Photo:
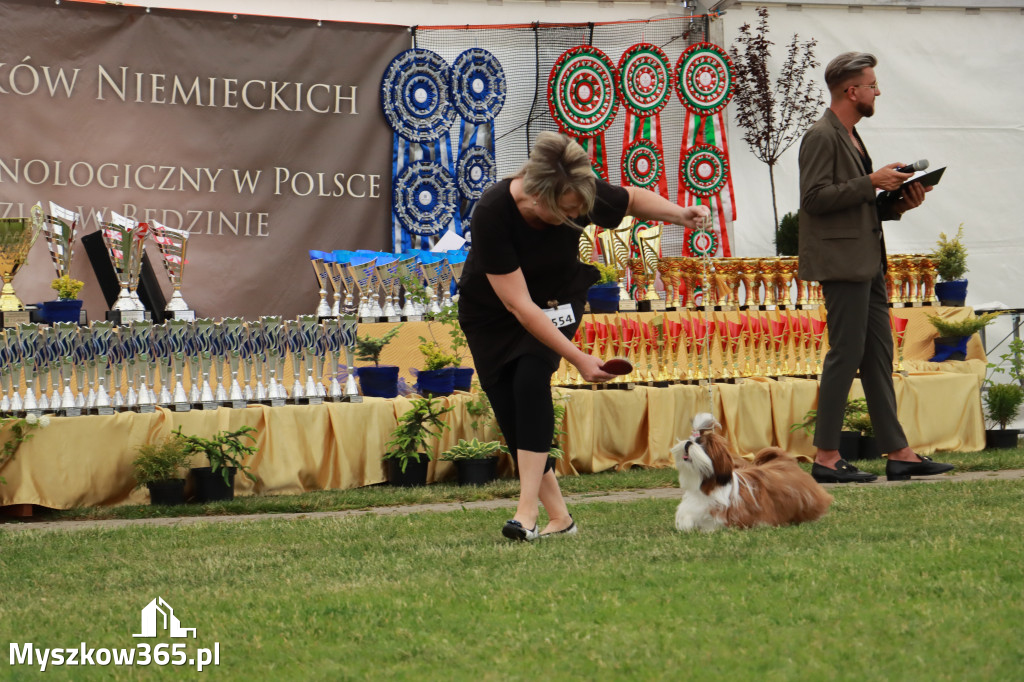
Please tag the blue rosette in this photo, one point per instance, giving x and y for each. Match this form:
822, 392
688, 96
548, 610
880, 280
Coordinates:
474, 172
416, 95
425, 198
477, 85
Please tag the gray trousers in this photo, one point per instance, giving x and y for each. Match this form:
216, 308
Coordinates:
860, 337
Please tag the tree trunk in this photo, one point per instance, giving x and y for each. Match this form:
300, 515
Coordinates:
775, 210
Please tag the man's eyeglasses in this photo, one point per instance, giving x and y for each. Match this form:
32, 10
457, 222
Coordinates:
873, 86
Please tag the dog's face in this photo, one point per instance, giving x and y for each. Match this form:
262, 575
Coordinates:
703, 463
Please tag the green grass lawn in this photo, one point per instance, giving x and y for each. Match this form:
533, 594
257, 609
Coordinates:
911, 582
384, 495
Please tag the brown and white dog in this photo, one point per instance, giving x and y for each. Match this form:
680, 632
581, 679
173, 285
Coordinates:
720, 489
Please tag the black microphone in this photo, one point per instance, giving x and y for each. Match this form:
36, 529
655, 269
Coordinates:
914, 167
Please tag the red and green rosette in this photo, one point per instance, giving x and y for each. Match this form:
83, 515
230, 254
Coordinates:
583, 99
645, 85
705, 170
703, 79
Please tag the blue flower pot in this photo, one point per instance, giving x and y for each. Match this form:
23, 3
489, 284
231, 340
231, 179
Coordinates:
604, 298
62, 310
462, 378
953, 293
378, 382
436, 382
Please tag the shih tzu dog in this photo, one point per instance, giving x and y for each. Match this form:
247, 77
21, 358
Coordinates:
720, 489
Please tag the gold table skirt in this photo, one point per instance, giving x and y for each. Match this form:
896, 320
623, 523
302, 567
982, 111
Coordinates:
86, 461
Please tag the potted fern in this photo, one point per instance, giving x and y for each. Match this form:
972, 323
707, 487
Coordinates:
856, 423
161, 468
1003, 401
409, 450
951, 265
227, 453
380, 381
951, 342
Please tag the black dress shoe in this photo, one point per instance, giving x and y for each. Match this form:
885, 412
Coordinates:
843, 473
896, 470
514, 530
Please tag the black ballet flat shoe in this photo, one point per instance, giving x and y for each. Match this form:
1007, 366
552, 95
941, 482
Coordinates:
843, 473
895, 470
570, 530
514, 530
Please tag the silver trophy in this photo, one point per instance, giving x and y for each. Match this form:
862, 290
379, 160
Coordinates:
349, 325
273, 340
340, 272
161, 363
412, 280
64, 340
323, 278
232, 329
125, 241
203, 331
139, 346
456, 263
177, 336
330, 331
387, 275
294, 340
102, 335
432, 269
364, 271
85, 362
173, 244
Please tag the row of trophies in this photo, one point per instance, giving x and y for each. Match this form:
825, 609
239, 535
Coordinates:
101, 368
695, 348
362, 280
124, 239
634, 250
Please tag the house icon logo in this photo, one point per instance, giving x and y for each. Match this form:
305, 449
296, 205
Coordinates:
158, 614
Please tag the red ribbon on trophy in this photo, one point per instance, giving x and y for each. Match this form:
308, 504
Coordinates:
583, 99
703, 80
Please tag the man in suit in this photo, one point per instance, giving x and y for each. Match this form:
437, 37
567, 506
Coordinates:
842, 246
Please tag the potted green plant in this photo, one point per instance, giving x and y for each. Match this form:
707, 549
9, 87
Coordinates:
226, 453
951, 342
160, 467
855, 423
603, 297
476, 462
436, 378
787, 239
67, 307
462, 377
951, 265
409, 450
1003, 401
377, 381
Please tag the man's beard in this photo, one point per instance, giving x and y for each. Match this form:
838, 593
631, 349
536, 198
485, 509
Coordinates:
865, 110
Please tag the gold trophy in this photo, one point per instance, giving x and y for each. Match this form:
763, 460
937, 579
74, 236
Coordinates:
363, 269
927, 268
318, 260
731, 274
387, 275
60, 227
769, 269
750, 274
173, 244
588, 240
784, 278
648, 242
17, 235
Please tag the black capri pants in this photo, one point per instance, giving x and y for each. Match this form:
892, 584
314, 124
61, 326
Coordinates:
521, 400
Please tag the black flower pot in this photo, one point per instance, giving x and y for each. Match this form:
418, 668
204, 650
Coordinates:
415, 473
462, 378
869, 448
849, 445
378, 382
167, 492
210, 487
476, 471
1001, 438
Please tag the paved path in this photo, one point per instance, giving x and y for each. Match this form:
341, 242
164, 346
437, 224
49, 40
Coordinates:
504, 503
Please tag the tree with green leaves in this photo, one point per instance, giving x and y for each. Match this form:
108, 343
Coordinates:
773, 117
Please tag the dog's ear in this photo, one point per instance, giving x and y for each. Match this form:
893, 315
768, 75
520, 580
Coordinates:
718, 450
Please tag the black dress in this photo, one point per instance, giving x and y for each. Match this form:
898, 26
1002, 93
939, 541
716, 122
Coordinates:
549, 257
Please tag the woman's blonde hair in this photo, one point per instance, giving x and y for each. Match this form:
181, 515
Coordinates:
558, 165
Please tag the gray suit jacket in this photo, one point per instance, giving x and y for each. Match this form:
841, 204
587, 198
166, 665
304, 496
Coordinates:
840, 228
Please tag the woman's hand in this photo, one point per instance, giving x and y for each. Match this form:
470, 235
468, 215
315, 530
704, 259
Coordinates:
646, 205
590, 369
693, 215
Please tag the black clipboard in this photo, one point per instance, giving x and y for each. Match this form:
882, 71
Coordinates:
927, 180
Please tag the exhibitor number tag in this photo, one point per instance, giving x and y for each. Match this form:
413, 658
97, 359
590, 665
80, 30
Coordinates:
562, 316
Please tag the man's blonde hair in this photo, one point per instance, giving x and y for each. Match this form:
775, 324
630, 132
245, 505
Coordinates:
846, 66
558, 165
